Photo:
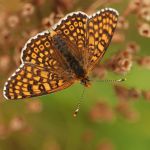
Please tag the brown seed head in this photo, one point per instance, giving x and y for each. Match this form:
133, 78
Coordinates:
144, 13
13, 21
105, 145
144, 62
144, 30
17, 123
34, 106
146, 95
28, 10
101, 111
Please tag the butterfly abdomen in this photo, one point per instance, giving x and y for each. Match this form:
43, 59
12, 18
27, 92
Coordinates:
73, 63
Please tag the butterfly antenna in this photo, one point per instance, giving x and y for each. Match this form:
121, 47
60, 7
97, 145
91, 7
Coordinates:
79, 104
118, 80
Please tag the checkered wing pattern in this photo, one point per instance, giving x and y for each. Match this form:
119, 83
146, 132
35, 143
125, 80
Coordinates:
72, 29
100, 29
31, 80
43, 70
40, 50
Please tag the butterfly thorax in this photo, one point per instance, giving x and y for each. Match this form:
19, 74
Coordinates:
72, 62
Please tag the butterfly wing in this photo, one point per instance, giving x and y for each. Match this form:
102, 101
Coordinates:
43, 70
100, 29
40, 50
72, 29
31, 80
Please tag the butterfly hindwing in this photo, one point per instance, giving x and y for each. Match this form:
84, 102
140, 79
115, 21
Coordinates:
30, 80
100, 29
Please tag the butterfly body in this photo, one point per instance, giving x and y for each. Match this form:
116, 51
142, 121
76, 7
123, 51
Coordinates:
55, 59
71, 60
73, 63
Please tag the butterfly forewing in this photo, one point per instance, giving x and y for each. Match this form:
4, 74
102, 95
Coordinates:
73, 29
31, 80
100, 29
40, 50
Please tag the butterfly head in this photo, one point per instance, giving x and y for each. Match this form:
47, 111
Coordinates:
86, 82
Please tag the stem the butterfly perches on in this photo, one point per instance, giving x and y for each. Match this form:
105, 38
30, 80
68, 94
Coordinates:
78, 106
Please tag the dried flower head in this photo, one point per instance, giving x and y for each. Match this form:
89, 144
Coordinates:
124, 109
105, 144
4, 63
134, 5
144, 62
123, 66
17, 123
100, 72
101, 111
13, 21
122, 23
135, 93
51, 144
120, 63
118, 37
146, 2
144, 30
132, 47
144, 13
146, 95
27, 10
46, 23
122, 92
34, 106
5, 36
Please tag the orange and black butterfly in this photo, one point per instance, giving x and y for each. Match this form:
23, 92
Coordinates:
55, 59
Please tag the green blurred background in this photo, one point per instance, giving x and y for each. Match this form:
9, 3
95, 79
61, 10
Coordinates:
105, 122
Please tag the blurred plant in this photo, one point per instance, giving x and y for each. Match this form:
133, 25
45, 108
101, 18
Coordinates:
17, 123
87, 136
34, 106
146, 95
34, 16
128, 112
4, 132
124, 93
101, 111
105, 144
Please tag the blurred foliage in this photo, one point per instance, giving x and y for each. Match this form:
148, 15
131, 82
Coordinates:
113, 116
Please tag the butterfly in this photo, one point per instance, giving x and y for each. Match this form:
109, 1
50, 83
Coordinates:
56, 58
